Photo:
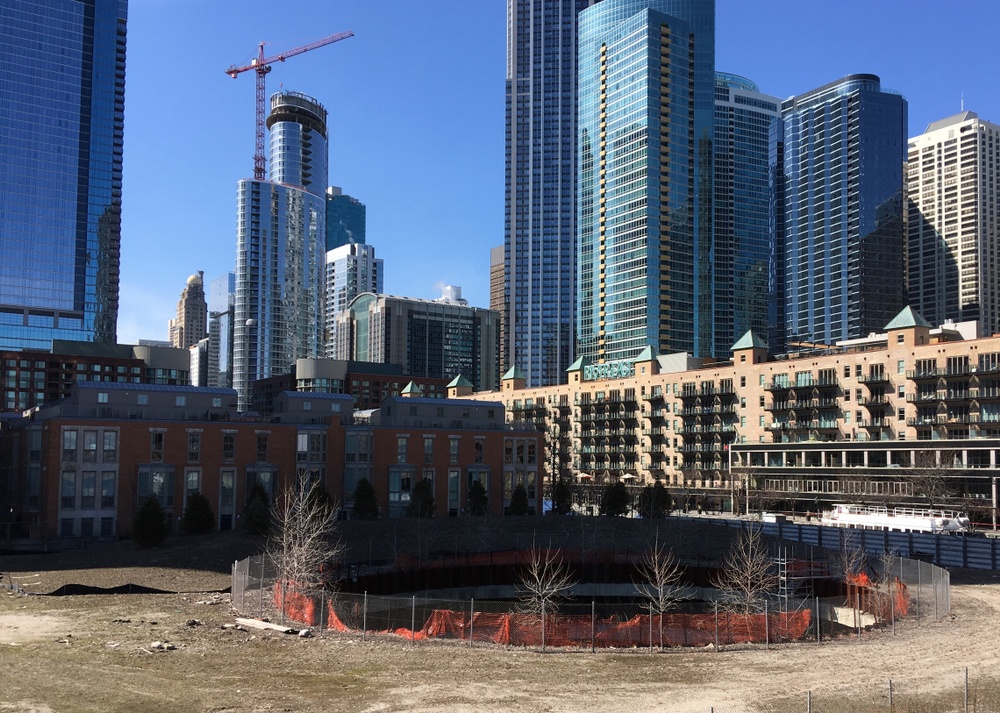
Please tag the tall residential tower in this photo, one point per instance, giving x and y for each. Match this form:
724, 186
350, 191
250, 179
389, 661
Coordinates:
540, 220
646, 95
62, 104
281, 236
844, 153
954, 272
747, 127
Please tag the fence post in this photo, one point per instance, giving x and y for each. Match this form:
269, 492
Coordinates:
593, 624
966, 689
651, 627
809, 701
918, 591
717, 626
322, 608
260, 589
891, 708
472, 616
413, 618
892, 603
543, 625
767, 628
819, 627
364, 618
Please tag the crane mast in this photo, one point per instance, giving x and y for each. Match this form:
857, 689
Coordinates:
261, 65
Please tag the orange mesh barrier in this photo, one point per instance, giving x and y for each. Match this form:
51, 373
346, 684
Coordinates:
295, 605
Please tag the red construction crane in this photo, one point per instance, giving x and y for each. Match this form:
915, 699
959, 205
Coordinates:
262, 65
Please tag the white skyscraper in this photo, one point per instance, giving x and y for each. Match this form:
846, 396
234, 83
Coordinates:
281, 241
350, 270
953, 174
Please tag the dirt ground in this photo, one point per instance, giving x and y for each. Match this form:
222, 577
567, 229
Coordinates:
95, 653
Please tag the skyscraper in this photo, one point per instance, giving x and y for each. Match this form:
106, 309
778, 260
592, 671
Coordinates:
954, 273
646, 81
844, 152
62, 103
221, 313
350, 270
747, 125
345, 219
540, 217
281, 234
191, 324
438, 339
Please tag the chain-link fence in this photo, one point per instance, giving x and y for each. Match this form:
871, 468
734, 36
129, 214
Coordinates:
889, 593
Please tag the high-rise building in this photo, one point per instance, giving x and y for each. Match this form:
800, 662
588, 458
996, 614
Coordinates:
497, 265
952, 242
281, 234
350, 270
646, 96
221, 313
62, 104
844, 153
345, 219
191, 324
540, 218
438, 339
747, 125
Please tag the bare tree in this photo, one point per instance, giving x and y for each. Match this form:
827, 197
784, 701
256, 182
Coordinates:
304, 543
747, 575
929, 476
661, 575
849, 559
545, 582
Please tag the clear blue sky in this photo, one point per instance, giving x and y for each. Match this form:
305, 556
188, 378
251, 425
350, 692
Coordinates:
416, 104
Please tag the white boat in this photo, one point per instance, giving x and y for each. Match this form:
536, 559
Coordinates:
870, 517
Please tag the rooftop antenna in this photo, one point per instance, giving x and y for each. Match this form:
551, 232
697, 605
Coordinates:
963, 100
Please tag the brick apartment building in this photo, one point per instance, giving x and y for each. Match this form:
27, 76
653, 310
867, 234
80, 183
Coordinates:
78, 467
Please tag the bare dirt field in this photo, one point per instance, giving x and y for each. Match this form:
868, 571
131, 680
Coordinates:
95, 653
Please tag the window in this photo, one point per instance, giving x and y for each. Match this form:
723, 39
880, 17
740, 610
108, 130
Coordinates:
307, 405
901, 414
228, 447
102, 397
762, 421
743, 401
857, 370
158, 481
88, 490
110, 446
216, 402
901, 366
743, 381
453, 450
108, 489
847, 371
90, 446
69, 445
156, 447
192, 482
428, 449
743, 421
479, 452
67, 493
454, 479
762, 380
900, 338
180, 401
400, 478
261, 447
401, 445
761, 400
194, 447
142, 399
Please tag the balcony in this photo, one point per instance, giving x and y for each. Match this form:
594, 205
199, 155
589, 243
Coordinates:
655, 395
881, 378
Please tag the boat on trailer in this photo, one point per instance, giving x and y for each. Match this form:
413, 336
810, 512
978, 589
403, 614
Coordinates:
872, 517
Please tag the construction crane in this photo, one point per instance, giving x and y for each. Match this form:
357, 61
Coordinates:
262, 65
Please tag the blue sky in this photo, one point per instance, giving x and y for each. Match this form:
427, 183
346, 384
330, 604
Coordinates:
416, 116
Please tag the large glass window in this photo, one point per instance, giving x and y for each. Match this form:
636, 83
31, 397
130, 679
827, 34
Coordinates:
69, 445
108, 489
67, 495
157, 481
156, 447
110, 446
88, 490
90, 446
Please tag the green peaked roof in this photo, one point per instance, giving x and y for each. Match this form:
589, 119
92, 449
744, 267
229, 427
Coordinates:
459, 381
412, 388
908, 317
579, 364
513, 373
750, 340
647, 354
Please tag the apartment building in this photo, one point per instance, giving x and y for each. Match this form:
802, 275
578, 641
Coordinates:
864, 419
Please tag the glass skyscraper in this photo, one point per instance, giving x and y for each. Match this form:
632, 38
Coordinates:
62, 103
350, 270
646, 81
747, 124
540, 218
221, 311
345, 219
281, 235
844, 155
